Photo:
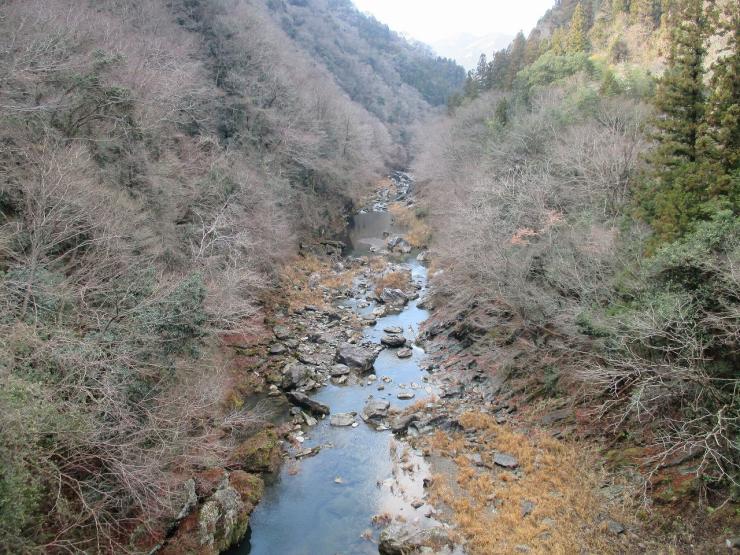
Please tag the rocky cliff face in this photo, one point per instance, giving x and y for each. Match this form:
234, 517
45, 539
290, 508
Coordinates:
217, 514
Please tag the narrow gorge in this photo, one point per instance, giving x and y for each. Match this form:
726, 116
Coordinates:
278, 278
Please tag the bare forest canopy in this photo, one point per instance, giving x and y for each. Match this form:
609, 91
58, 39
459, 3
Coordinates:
162, 160
388, 75
585, 191
159, 163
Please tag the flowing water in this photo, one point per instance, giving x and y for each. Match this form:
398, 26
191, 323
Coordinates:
327, 506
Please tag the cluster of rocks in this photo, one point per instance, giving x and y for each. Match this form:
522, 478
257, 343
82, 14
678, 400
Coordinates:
320, 345
402, 183
215, 512
398, 244
402, 539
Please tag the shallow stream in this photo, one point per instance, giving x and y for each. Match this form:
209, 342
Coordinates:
324, 505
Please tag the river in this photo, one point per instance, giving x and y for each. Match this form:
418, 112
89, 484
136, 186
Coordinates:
327, 505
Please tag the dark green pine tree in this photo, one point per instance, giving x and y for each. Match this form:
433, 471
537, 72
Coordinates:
516, 58
720, 135
674, 196
481, 72
681, 94
471, 87
497, 69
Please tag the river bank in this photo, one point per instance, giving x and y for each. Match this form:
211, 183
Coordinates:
323, 381
379, 424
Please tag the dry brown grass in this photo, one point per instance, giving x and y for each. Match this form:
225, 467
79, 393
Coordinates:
486, 504
341, 280
392, 280
386, 183
418, 231
294, 290
378, 263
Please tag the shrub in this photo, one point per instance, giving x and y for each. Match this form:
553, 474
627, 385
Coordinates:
551, 68
670, 356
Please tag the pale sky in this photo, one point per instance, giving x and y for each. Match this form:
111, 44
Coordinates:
432, 20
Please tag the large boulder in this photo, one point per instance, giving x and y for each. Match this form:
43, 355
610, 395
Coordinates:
393, 297
305, 402
260, 453
342, 419
221, 521
398, 244
375, 408
401, 422
356, 357
425, 303
505, 461
296, 374
392, 340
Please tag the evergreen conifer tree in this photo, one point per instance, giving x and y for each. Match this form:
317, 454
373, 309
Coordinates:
720, 135
559, 41
681, 93
516, 58
576, 40
643, 11
497, 69
481, 72
532, 48
674, 197
471, 88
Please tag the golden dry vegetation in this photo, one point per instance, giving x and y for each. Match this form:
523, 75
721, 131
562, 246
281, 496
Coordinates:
392, 280
557, 477
418, 231
295, 290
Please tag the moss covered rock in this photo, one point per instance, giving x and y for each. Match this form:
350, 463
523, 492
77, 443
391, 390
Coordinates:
222, 519
260, 453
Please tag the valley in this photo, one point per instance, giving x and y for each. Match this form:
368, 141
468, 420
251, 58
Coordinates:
276, 279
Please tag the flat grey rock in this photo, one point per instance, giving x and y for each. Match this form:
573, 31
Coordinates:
505, 461
527, 508
614, 527
356, 357
342, 419
405, 353
339, 370
281, 332
278, 349
375, 408
304, 401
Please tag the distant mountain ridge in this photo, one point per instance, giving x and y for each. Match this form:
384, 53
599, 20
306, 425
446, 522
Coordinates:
466, 48
394, 78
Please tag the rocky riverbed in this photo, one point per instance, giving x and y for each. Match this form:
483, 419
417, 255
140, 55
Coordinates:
376, 428
345, 356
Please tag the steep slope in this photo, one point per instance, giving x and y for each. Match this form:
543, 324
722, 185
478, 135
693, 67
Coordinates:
159, 162
585, 213
392, 78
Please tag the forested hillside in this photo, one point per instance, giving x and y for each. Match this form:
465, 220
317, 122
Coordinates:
584, 192
174, 175
391, 77
159, 162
